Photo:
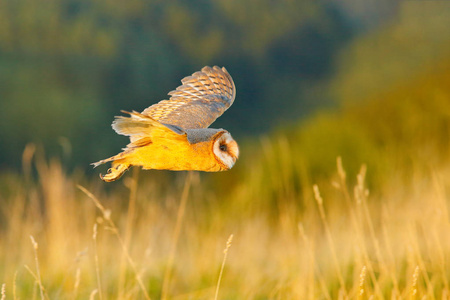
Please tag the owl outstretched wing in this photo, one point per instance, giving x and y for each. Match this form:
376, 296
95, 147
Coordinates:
198, 102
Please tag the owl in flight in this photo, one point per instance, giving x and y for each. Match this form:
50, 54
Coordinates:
174, 135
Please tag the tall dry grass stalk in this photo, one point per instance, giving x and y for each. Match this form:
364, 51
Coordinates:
92, 295
362, 277
330, 240
3, 291
133, 186
339, 242
76, 285
175, 236
38, 269
107, 216
225, 254
414, 283
97, 264
15, 286
314, 272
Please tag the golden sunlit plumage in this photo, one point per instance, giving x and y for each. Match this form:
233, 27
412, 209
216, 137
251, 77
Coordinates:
173, 134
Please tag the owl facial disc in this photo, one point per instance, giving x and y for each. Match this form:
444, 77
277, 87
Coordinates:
226, 150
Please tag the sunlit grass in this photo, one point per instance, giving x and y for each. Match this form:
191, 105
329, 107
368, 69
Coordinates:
166, 239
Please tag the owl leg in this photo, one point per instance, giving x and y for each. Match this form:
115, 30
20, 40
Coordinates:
115, 172
118, 166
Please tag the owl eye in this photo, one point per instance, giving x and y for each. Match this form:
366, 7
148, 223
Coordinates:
223, 147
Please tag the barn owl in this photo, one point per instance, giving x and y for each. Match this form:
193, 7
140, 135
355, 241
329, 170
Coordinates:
174, 135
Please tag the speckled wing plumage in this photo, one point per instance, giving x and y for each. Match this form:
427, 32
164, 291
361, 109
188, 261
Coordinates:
198, 102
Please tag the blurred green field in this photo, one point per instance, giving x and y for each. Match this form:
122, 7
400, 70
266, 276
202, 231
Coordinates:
348, 205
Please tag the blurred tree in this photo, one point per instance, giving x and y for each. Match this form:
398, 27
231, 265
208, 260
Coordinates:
68, 66
418, 38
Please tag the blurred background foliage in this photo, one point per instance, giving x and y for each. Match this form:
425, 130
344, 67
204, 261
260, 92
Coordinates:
362, 76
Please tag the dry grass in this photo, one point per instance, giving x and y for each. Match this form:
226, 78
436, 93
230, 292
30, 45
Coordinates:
160, 240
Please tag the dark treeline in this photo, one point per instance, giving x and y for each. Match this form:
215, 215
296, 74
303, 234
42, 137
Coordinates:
68, 66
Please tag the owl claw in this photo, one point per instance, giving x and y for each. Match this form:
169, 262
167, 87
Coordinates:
114, 173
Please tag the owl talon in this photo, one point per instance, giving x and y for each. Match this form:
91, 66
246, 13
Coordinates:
114, 173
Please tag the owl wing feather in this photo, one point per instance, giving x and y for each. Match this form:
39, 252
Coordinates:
198, 102
142, 128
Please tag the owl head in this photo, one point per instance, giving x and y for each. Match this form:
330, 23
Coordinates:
225, 149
